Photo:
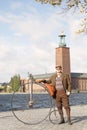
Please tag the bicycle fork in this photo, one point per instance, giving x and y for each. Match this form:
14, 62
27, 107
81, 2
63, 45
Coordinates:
31, 91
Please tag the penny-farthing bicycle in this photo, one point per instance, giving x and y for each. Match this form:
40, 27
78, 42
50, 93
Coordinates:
28, 107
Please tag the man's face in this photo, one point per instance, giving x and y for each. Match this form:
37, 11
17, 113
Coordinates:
58, 69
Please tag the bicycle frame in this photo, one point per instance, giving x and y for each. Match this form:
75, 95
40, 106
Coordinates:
32, 102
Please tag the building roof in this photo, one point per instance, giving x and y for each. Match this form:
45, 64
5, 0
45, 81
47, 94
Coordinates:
79, 75
47, 75
42, 76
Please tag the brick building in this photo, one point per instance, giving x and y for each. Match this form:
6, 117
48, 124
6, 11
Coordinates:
78, 80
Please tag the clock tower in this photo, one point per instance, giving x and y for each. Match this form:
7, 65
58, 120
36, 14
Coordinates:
63, 54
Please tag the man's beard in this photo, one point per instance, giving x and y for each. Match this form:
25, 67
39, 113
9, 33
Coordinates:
58, 71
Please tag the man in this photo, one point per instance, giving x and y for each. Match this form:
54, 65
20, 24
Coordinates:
62, 84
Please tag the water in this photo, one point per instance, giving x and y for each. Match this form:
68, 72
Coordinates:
75, 99
78, 99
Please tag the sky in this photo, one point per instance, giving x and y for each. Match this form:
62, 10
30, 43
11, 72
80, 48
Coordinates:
29, 34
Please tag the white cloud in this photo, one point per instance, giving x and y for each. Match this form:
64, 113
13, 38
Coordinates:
30, 41
15, 5
4, 19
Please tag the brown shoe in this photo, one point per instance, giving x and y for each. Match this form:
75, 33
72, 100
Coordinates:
62, 121
69, 122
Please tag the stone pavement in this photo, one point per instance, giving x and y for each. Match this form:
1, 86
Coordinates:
78, 115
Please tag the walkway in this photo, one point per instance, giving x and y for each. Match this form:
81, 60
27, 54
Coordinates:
79, 120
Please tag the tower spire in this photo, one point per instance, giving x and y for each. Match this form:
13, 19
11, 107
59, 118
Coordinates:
62, 39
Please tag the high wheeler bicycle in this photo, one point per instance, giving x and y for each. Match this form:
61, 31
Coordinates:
34, 106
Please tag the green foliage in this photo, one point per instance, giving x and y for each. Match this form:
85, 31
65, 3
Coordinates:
15, 83
73, 5
53, 2
68, 3
81, 5
78, 91
1, 88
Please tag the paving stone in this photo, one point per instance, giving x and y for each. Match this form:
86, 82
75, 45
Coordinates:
78, 116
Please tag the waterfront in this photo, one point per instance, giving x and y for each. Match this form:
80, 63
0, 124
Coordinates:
78, 102
75, 99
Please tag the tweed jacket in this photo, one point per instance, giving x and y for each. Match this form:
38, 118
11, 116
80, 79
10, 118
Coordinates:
65, 81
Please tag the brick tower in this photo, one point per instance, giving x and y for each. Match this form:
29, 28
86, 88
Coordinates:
63, 55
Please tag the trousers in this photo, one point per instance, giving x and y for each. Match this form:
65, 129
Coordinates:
62, 100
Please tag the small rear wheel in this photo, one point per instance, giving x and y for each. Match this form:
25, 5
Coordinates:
54, 116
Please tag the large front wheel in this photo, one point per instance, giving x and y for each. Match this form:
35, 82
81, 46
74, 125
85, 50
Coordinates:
35, 113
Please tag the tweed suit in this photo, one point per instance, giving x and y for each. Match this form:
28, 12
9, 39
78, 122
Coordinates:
61, 98
65, 80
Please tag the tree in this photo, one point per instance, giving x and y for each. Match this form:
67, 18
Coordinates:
66, 5
15, 82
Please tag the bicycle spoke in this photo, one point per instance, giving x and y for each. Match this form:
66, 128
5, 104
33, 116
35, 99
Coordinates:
27, 114
54, 116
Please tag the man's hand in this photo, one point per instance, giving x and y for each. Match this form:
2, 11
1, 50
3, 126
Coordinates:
67, 93
40, 80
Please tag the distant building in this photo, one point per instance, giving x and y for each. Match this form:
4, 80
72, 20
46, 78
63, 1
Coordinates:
78, 80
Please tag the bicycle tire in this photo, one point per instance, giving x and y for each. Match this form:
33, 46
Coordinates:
41, 100
54, 116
